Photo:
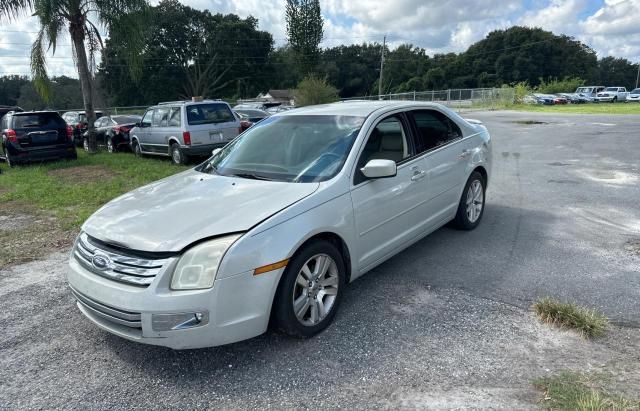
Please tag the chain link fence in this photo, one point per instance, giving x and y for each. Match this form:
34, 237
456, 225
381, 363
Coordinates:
460, 99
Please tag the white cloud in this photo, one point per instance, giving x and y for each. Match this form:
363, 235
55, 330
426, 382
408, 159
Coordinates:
611, 27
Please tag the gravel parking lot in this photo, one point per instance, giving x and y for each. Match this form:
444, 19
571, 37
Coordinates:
445, 324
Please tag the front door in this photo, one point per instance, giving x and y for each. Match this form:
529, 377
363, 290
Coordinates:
385, 209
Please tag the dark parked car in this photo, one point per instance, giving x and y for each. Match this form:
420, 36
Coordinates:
5, 109
78, 120
112, 132
35, 135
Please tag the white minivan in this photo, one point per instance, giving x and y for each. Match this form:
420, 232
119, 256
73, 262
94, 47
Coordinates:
183, 129
275, 225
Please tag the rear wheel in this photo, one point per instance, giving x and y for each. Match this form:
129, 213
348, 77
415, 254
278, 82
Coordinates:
177, 156
471, 206
310, 290
85, 144
615, 99
8, 159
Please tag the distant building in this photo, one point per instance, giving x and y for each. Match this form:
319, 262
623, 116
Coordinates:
284, 97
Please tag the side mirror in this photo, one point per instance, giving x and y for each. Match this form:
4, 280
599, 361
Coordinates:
379, 169
215, 151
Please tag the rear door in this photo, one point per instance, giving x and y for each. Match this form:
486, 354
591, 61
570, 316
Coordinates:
446, 154
40, 130
211, 123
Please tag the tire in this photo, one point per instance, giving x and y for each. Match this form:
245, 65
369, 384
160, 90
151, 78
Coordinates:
615, 100
177, 156
85, 144
7, 158
135, 147
110, 147
468, 218
306, 324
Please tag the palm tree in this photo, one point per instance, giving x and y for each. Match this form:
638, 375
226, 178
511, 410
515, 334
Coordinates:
80, 18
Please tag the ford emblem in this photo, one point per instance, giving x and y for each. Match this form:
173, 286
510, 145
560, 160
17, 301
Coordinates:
100, 262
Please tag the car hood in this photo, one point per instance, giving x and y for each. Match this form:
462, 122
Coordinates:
172, 213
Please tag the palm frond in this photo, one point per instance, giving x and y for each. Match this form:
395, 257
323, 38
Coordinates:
12, 9
39, 66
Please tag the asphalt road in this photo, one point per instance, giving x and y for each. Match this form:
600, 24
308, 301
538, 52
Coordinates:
445, 324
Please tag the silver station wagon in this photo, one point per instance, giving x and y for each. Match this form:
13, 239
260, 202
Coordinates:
183, 129
275, 225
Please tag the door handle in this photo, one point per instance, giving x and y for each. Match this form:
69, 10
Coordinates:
464, 154
418, 175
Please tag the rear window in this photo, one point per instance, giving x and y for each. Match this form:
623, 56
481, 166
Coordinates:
38, 120
209, 114
126, 119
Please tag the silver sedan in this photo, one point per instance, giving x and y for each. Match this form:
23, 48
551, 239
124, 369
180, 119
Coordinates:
273, 227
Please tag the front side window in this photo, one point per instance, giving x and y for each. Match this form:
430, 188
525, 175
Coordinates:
434, 130
294, 148
146, 120
209, 113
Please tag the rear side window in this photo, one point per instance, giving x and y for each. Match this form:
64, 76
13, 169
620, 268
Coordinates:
38, 120
209, 114
175, 118
434, 129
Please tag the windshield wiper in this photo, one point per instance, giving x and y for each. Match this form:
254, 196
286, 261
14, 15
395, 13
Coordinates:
251, 176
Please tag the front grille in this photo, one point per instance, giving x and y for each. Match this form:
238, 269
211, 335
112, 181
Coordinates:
116, 265
126, 318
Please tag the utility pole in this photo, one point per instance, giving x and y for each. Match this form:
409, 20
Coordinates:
638, 76
384, 46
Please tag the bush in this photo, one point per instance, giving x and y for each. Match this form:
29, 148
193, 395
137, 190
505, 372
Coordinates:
520, 90
315, 90
552, 86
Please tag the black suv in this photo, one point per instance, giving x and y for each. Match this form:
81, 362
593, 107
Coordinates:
35, 135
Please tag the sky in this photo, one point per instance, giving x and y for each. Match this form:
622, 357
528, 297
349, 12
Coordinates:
611, 27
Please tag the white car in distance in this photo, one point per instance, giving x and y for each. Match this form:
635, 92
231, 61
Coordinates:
276, 224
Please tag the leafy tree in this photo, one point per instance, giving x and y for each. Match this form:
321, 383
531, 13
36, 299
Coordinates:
305, 31
55, 17
65, 95
10, 89
190, 52
617, 72
315, 90
353, 69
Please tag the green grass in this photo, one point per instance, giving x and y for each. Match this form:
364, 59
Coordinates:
581, 392
589, 323
589, 108
71, 192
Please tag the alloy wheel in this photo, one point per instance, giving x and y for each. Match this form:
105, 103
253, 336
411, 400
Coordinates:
110, 145
475, 201
315, 289
176, 156
85, 144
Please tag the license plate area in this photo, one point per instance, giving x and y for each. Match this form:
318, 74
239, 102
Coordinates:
216, 136
43, 137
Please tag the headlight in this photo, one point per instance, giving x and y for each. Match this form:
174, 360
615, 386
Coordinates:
198, 266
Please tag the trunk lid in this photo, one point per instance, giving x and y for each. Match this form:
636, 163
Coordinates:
37, 130
211, 123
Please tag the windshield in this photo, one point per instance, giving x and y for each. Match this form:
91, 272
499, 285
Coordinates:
584, 90
126, 119
209, 114
635, 91
298, 149
611, 89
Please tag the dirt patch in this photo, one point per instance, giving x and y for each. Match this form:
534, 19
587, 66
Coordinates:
27, 235
633, 246
83, 173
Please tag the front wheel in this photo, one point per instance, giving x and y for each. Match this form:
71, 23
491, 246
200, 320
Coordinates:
471, 206
135, 146
310, 290
85, 144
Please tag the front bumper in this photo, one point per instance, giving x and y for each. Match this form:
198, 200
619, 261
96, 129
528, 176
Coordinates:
235, 309
604, 99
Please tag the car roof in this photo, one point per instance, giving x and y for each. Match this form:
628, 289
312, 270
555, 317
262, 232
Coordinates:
26, 113
187, 103
359, 108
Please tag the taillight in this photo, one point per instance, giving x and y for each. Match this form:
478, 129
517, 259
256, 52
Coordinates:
186, 136
70, 132
79, 126
117, 129
12, 136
